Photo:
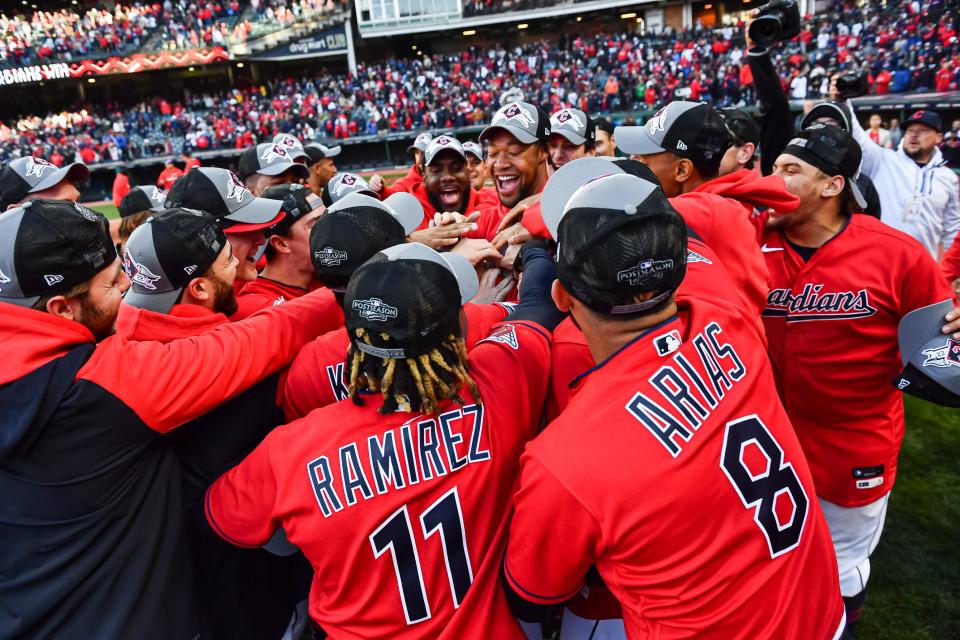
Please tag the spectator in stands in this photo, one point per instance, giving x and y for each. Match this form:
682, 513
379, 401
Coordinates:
919, 193
268, 164
951, 146
877, 133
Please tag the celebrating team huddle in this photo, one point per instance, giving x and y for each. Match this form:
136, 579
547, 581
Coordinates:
648, 395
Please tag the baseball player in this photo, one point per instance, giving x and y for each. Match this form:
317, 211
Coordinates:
269, 164
414, 175
351, 232
342, 185
243, 216
399, 497
292, 145
288, 272
678, 420
476, 163
30, 178
91, 520
572, 135
606, 142
321, 163
136, 206
517, 152
182, 272
839, 285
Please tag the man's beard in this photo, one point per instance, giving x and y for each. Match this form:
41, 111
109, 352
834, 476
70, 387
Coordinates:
224, 299
100, 323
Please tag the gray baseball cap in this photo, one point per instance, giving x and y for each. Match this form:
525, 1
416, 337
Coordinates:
566, 181
343, 184
421, 142
475, 149
574, 125
931, 359
270, 159
166, 252
524, 121
292, 145
31, 174
403, 206
220, 193
442, 143
316, 152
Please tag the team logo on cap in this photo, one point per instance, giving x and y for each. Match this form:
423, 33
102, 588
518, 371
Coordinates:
3, 279
568, 118
330, 257
36, 167
946, 356
443, 141
657, 122
274, 153
158, 196
644, 272
289, 141
517, 112
667, 343
346, 182
374, 309
235, 189
138, 273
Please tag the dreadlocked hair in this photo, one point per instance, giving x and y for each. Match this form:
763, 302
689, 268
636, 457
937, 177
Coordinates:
418, 383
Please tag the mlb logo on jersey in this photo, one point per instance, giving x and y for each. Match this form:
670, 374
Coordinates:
667, 343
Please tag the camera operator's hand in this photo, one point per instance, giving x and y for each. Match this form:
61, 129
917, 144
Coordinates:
746, 29
834, 91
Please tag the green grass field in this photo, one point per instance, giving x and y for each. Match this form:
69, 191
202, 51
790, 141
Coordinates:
915, 577
915, 573
106, 208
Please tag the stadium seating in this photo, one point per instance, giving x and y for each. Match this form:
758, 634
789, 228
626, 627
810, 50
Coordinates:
603, 73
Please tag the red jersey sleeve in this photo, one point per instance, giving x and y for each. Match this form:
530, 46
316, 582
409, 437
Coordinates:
317, 377
950, 265
167, 384
248, 304
239, 505
923, 284
532, 221
480, 319
553, 539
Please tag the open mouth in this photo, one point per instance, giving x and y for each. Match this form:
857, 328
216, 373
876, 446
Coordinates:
508, 185
450, 197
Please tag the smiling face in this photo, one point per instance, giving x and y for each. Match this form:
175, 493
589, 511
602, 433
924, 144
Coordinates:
518, 170
245, 246
478, 171
447, 181
563, 151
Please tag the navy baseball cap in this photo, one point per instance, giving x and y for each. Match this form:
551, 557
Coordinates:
220, 193
833, 110
140, 199
833, 151
296, 202
931, 359
924, 117
31, 174
166, 252
412, 294
47, 247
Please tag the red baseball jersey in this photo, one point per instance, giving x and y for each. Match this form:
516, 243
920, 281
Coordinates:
832, 331
706, 279
403, 516
262, 293
318, 375
675, 472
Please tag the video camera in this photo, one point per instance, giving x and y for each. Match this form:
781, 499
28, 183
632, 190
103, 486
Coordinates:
777, 21
853, 84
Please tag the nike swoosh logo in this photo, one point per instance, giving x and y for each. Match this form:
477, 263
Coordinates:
767, 249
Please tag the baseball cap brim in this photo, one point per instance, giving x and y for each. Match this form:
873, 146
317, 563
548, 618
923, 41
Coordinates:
519, 133
565, 182
475, 152
402, 205
158, 302
74, 173
857, 194
428, 159
256, 215
280, 168
572, 136
917, 327
824, 110
332, 152
459, 266
635, 140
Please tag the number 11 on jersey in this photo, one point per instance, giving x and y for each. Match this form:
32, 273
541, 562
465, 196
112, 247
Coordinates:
395, 535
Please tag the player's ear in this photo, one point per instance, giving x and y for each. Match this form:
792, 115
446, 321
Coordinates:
683, 170
561, 298
199, 289
278, 242
832, 187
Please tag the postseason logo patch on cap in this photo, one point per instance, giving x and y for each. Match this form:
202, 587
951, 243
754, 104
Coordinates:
374, 309
330, 257
646, 271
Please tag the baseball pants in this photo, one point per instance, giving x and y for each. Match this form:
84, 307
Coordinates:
855, 532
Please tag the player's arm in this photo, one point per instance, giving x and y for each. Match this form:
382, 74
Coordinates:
873, 154
553, 542
307, 384
481, 318
169, 384
239, 505
923, 284
950, 265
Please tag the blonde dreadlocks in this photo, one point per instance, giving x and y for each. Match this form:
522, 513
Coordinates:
420, 383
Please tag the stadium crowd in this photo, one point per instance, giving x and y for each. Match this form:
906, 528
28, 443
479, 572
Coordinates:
600, 73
